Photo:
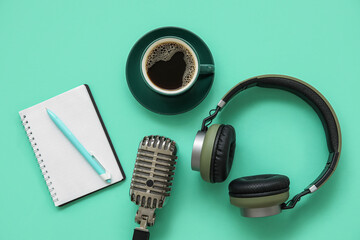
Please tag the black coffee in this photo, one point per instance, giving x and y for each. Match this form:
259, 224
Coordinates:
170, 66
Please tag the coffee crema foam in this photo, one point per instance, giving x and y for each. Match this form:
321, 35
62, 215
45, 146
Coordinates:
165, 51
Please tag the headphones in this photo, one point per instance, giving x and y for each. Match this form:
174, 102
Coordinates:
261, 195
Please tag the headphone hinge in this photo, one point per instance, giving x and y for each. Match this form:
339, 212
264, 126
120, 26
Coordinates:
291, 204
207, 121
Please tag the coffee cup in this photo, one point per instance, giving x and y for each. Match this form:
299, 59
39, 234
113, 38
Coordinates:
170, 66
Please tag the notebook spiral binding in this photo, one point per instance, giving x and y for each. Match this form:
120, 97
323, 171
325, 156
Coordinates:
39, 158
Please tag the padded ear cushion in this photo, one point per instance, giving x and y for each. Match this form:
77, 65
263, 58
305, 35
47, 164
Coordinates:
223, 153
259, 186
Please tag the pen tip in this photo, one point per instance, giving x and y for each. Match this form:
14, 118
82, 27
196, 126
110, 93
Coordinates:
108, 180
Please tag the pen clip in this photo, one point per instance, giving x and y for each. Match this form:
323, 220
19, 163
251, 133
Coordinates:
105, 176
95, 158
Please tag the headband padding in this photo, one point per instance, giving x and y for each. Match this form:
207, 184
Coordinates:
259, 185
223, 153
304, 91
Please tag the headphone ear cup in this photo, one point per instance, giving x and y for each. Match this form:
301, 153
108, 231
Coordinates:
223, 153
260, 195
206, 152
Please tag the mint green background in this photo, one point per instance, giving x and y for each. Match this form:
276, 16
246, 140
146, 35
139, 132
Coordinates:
48, 47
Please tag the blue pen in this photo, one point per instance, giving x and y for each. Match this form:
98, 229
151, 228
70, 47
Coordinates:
89, 158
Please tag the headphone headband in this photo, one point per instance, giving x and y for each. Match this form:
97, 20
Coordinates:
316, 100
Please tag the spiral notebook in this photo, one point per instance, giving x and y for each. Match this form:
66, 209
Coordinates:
67, 174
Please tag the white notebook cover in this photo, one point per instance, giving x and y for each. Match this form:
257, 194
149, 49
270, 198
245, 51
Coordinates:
68, 175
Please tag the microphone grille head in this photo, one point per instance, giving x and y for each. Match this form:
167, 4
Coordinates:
153, 172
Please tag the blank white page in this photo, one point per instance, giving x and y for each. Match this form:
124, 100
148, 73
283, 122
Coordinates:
67, 173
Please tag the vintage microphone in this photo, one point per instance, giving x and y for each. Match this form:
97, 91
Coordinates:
151, 180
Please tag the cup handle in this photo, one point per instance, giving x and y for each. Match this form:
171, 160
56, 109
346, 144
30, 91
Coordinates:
206, 69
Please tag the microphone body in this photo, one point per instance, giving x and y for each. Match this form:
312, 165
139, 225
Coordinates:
151, 180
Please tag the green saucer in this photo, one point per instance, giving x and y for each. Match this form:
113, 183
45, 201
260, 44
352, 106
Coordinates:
168, 104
